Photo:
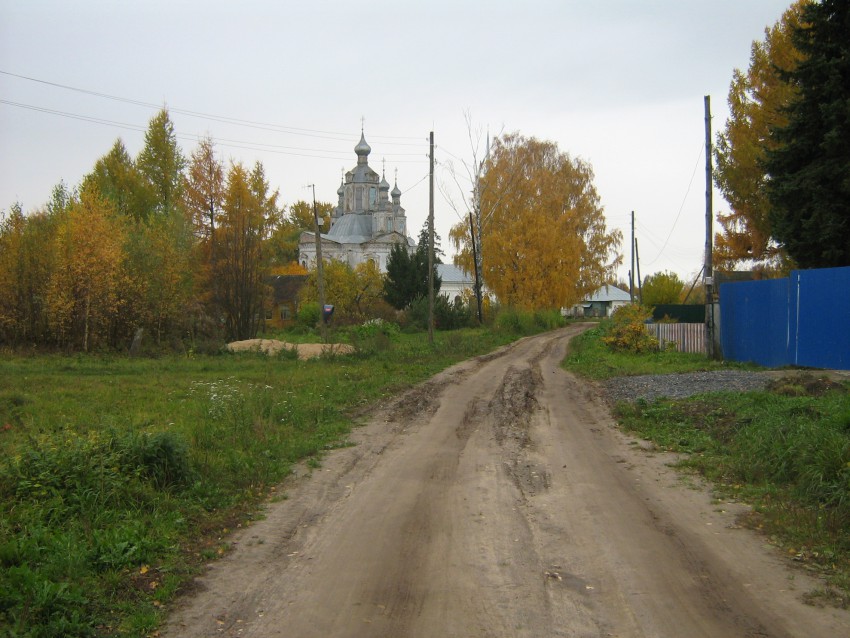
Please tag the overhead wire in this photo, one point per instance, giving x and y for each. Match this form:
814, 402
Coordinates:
681, 207
219, 118
230, 143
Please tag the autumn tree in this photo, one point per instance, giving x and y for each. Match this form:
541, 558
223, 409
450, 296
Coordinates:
12, 313
285, 238
117, 178
808, 161
27, 256
204, 190
544, 241
161, 164
356, 293
368, 299
241, 261
83, 294
757, 102
661, 288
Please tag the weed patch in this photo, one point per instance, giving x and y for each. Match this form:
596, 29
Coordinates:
120, 477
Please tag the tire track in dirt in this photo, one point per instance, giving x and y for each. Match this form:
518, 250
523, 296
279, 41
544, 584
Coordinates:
498, 500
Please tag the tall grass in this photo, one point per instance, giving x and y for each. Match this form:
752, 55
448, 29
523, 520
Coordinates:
117, 476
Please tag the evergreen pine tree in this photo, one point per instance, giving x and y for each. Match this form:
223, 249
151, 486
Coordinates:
809, 169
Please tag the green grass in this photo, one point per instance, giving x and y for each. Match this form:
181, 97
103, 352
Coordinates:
119, 477
786, 451
591, 358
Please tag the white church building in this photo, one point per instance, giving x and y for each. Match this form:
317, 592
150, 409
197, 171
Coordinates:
367, 221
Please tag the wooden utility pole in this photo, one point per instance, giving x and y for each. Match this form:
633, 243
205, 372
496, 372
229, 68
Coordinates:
707, 268
632, 271
431, 242
320, 275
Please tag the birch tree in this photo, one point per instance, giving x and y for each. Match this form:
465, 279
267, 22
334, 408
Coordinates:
544, 243
84, 293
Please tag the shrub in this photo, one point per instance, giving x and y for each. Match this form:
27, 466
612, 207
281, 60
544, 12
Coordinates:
514, 322
451, 315
309, 314
375, 335
626, 330
416, 314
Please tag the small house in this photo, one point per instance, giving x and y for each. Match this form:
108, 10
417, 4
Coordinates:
601, 303
284, 306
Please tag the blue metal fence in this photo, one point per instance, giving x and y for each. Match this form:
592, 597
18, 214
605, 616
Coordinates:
803, 320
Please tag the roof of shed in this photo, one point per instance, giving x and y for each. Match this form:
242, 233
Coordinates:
608, 293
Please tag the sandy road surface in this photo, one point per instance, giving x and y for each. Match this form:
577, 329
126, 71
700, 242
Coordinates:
498, 499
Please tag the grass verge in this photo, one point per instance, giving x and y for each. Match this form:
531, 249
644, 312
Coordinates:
591, 358
785, 450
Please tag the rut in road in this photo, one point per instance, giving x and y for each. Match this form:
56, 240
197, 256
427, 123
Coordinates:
498, 499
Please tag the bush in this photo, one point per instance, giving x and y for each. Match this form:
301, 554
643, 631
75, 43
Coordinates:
514, 322
451, 315
626, 330
375, 335
549, 319
416, 314
309, 314
162, 457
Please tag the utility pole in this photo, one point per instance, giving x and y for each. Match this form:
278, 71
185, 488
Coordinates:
431, 242
632, 271
707, 269
320, 275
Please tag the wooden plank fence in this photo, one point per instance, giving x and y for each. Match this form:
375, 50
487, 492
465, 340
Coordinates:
688, 337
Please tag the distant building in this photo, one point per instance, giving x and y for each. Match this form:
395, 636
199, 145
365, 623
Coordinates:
284, 307
456, 283
601, 303
367, 222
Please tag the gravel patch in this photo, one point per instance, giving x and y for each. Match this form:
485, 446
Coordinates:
678, 386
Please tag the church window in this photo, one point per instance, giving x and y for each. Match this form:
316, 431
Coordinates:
358, 202
373, 197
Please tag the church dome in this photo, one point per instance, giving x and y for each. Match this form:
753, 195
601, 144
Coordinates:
384, 185
396, 192
341, 190
362, 149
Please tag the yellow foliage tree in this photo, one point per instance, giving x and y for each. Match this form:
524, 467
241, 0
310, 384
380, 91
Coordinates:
84, 293
544, 241
756, 102
286, 235
241, 263
356, 293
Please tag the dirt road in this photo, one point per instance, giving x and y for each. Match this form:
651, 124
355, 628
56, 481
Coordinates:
499, 500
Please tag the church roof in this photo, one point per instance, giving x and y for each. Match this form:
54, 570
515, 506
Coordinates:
352, 228
449, 273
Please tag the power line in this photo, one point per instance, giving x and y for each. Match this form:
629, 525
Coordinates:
681, 207
230, 143
292, 130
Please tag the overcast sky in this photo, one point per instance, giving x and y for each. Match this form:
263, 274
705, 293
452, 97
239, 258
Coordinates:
619, 83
